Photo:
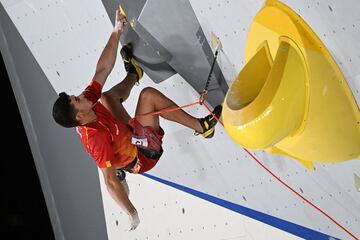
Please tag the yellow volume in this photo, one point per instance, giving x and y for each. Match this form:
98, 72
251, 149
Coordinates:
291, 97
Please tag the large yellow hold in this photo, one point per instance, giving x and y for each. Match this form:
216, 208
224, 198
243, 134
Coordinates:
291, 97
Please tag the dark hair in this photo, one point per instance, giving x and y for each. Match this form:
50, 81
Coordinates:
63, 112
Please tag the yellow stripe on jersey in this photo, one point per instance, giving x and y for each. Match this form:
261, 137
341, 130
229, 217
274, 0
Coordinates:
108, 164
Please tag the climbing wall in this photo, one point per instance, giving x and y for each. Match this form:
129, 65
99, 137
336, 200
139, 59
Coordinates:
240, 179
202, 189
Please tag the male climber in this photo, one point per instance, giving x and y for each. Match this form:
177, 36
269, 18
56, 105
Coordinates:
115, 141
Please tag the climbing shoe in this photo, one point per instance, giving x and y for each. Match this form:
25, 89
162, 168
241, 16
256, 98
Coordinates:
208, 123
129, 61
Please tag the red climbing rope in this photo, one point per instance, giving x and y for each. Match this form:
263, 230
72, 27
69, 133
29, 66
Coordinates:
167, 110
299, 195
286, 185
201, 102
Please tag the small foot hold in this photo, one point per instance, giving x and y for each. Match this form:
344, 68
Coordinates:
357, 182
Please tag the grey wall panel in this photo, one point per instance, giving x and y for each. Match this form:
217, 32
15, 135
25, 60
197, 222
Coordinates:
153, 64
184, 39
68, 177
179, 43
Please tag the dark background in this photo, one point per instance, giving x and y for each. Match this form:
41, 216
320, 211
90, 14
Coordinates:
23, 210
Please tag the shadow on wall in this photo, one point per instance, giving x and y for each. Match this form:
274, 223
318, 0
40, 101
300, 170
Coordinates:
22, 199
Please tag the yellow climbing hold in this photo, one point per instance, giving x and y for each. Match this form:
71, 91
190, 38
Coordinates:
291, 97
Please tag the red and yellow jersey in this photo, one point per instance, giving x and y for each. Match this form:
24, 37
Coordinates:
107, 140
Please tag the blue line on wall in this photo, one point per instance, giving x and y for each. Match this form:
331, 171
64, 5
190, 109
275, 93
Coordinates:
284, 225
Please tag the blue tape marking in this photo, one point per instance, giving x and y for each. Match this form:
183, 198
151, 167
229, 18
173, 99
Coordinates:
284, 225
